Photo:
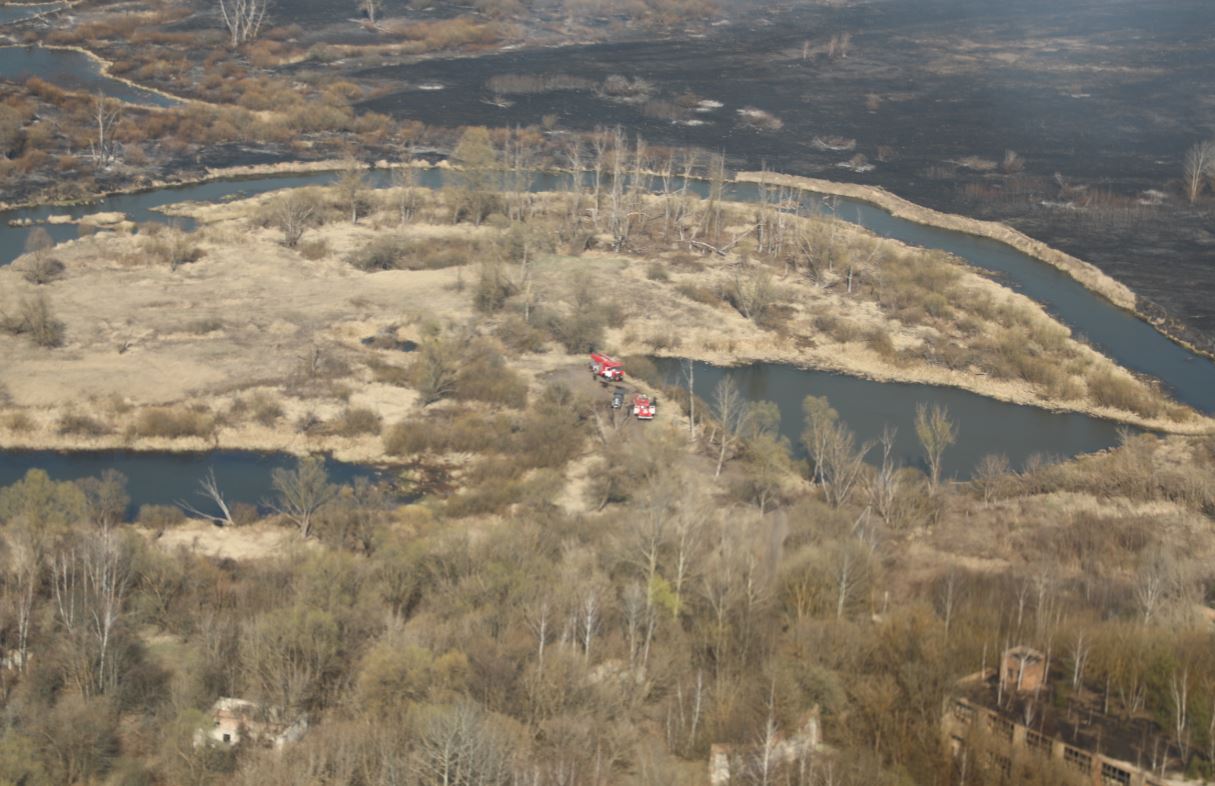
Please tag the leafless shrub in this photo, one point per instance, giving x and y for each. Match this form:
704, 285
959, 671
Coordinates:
759, 119
356, 422
18, 423
1199, 164
171, 246
160, 517
1111, 389
293, 213
42, 269
530, 84
314, 249
35, 319
1012, 163
204, 326
81, 425
976, 163
836, 144
622, 88
398, 252
174, 423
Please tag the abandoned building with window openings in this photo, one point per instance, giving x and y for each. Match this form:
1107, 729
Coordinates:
1025, 715
237, 721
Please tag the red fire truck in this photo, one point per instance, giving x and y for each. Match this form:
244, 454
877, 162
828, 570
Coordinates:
606, 368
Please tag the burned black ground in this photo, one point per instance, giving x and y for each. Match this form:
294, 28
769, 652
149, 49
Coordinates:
1099, 99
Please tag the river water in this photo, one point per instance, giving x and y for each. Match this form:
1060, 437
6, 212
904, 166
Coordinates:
70, 70
987, 425
16, 13
168, 478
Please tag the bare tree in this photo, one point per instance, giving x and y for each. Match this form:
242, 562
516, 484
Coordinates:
689, 377
1179, 693
732, 411
839, 462
851, 574
352, 188
105, 113
947, 598
1080, 652
990, 473
243, 18
457, 747
90, 581
884, 483
303, 492
766, 754
40, 266
208, 488
371, 8
293, 212
1199, 164
820, 416
936, 432
405, 183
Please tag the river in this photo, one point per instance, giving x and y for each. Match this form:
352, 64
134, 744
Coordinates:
155, 478
73, 71
18, 13
987, 425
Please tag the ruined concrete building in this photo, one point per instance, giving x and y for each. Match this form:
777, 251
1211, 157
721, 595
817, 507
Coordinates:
237, 721
1009, 719
732, 764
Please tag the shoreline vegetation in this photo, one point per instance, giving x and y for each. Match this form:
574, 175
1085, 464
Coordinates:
1085, 273
352, 280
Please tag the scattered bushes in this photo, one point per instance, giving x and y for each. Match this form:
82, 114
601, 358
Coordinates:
520, 336
35, 319
1111, 389
174, 423
493, 288
580, 332
262, 407
170, 245
397, 252
80, 425
314, 249
356, 422
42, 269
160, 517
18, 423
880, 342
547, 437
657, 271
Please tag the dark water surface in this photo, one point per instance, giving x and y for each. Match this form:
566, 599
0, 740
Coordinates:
16, 13
71, 71
167, 478
984, 425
